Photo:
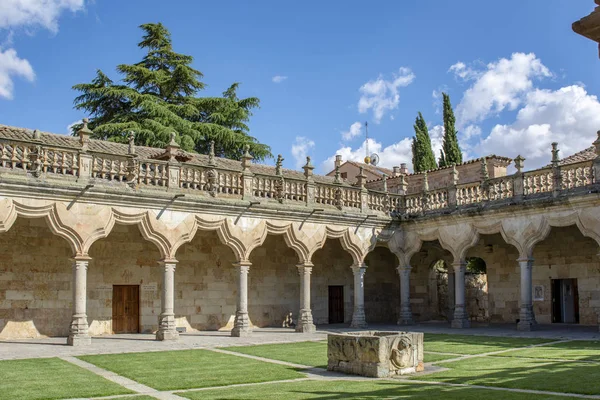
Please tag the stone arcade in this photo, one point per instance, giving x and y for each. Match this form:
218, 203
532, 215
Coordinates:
100, 238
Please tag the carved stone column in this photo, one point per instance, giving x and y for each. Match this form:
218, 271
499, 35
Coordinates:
405, 317
526, 315
78, 334
166, 321
305, 320
461, 318
358, 316
241, 325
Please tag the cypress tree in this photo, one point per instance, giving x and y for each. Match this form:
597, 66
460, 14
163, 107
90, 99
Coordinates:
450, 153
423, 158
157, 96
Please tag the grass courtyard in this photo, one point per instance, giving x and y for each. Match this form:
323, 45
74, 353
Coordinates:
473, 367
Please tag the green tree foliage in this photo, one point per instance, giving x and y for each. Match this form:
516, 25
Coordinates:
476, 265
157, 96
450, 153
422, 155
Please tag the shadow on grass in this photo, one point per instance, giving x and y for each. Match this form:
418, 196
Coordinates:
522, 373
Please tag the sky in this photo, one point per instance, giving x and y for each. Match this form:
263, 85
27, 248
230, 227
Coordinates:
519, 78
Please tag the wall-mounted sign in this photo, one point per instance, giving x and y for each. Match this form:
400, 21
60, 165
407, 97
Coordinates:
538, 293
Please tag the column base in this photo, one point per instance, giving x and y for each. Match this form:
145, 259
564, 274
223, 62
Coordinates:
241, 332
241, 325
526, 326
167, 335
358, 320
306, 328
460, 323
79, 340
461, 318
405, 321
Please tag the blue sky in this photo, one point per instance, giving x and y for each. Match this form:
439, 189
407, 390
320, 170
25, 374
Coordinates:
518, 76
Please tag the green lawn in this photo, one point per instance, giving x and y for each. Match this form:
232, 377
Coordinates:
466, 344
51, 378
334, 390
522, 373
185, 369
575, 350
433, 357
313, 354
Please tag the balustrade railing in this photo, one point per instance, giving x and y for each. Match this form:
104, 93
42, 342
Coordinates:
39, 159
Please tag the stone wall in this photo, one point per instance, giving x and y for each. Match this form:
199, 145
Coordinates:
35, 281
567, 254
123, 258
382, 287
206, 284
331, 267
273, 284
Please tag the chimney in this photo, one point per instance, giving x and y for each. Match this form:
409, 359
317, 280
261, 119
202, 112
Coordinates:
396, 170
403, 169
338, 161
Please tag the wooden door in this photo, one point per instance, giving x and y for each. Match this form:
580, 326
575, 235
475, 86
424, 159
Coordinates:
126, 308
336, 304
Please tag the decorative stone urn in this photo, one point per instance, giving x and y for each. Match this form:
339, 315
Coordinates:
375, 354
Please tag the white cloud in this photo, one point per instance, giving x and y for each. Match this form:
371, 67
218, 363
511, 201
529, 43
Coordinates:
12, 66
72, 124
501, 85
29, 15
354, 131
381, 96
279, 78
569, 116
35, 13
300, 150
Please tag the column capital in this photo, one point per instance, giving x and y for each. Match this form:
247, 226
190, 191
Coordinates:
306, 264
81, 258
304, 268
401, 268
244, 266
359, 268
170, 263
525, 259
459, 266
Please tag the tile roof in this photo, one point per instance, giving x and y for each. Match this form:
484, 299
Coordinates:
583, 155
121, 149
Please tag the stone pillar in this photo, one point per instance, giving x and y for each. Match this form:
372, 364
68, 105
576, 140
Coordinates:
78, 334
166, 321
241, 325
405, 317
305, 320
461, 318
451, 285
526, 315
358, 317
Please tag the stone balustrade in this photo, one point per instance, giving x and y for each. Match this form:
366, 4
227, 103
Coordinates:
291, 188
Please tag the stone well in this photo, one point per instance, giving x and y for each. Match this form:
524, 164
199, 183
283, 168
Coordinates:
375, 354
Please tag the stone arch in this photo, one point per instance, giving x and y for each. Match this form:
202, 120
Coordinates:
382, 286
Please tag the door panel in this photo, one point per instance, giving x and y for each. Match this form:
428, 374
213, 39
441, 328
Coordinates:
126, 308
336, 304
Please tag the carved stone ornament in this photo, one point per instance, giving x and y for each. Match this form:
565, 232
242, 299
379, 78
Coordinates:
339, 201
402, 354
278, 165
133, 166
280, 189
211, 178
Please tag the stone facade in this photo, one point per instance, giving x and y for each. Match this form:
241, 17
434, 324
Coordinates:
220, 244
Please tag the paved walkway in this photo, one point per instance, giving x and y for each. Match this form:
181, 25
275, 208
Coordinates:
110, 344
